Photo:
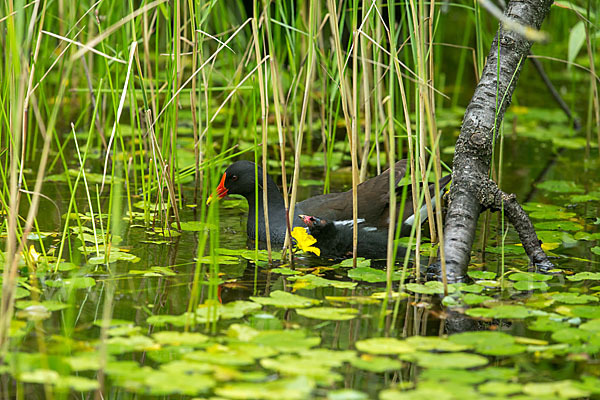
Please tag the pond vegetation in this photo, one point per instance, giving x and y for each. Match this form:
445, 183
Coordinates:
119, 281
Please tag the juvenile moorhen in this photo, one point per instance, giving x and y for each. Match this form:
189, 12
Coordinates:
373, 200
334, 238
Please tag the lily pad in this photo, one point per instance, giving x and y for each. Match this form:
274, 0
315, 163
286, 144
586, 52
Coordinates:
313, 281
559, 226
296, 388
175, 338
481, 274
530, 285
529, 276
457, 360
581, 276
557, 186
384, 345
573, 298
502, 311
372, 275
283, 299
372, 363
329, 313
431, 287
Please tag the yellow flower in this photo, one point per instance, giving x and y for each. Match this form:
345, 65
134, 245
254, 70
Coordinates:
305, 241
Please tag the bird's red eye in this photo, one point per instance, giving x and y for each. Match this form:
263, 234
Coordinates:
234, 178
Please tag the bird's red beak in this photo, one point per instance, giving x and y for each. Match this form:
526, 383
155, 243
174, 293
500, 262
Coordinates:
308, 220
221, 190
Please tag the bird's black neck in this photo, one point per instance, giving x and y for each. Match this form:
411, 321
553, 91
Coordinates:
276, 210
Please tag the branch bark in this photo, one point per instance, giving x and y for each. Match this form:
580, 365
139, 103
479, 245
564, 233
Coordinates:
472, 191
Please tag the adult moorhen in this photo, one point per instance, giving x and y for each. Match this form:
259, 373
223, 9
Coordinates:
373, 200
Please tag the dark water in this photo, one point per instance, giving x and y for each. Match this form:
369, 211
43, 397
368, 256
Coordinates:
139, 294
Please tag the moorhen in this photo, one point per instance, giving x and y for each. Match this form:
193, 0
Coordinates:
334, 238
373, 201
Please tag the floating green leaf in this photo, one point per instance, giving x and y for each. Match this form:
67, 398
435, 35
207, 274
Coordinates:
559, 225
502, 311
297, 388
371, 363
372, 275
530, 285
529, 276
560, 186
175, 338
384, 346
313, 281
580, 276
283, 299
431, 287
446, 360
329, 313
481, 274
573, 298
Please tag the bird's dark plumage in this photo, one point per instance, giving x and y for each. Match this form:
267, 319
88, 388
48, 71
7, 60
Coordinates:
373, 202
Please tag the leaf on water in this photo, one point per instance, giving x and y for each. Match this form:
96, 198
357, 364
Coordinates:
592, 325
502, 311
546, 324
530, 285
329, 313
44, 376
458, 360
283, 299
500, 388
225, 260
431, 287
434, 343
372, 363
582, 198
481, 274
360, 262
175, 320
572, 335
125, 344
473, 299
348, 394
194, 226
581, 276
290, 340
305, 241
353, 299
529, 276
50, 305
79, 282
285, 271
296, 388
317, 369
573, 298
384, 345
585, 311
566, 389
313, 281
113, 257
559, 226
78, 383
558, 186
546, 214
175, 338
372, 275
212, 311
172, 382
